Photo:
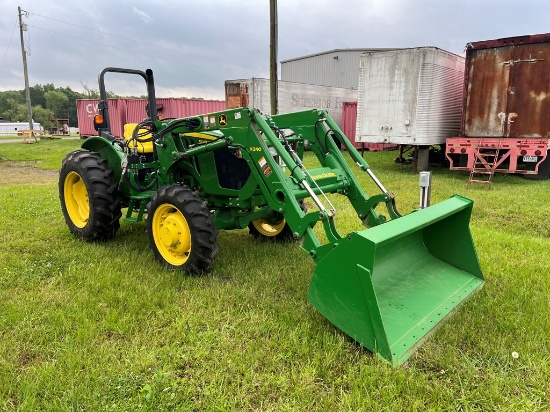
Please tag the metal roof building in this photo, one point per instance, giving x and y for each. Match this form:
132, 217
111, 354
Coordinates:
335, 68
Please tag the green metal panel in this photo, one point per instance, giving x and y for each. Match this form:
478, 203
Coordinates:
387, 287
108, 151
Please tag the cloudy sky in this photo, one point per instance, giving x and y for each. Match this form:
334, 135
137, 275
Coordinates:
193, 46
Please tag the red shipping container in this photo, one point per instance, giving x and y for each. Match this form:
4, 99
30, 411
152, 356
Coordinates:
194, 107
86, 109
349, 120
135, 110
172, 107
166, 107
122, 111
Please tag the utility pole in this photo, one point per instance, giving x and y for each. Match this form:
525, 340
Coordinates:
273, 56
25, 73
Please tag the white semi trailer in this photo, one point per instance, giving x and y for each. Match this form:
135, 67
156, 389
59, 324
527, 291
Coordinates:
410, 97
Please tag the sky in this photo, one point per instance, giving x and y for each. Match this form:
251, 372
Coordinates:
193, 46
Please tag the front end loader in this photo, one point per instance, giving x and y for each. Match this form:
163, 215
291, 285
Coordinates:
386, 286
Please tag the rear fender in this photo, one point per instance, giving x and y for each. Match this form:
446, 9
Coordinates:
109, 151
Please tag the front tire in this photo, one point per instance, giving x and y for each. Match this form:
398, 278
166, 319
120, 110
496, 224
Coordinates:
89, 196
181, 230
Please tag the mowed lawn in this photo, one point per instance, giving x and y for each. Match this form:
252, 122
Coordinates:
104, 327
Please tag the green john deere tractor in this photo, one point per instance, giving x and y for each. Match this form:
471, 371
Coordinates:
386, 286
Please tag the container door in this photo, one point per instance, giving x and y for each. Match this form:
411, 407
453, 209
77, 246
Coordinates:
349, 121
488, 80
529, 91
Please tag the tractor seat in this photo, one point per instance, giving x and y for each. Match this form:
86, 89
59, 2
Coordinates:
146, 147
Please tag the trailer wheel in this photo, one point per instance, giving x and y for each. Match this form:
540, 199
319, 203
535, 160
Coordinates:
89, 196
181, 230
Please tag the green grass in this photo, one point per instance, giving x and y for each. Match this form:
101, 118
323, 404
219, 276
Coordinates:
45, 154
45, 136
103, 327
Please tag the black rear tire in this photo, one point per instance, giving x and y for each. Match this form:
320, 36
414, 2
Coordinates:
181, 230
89, 196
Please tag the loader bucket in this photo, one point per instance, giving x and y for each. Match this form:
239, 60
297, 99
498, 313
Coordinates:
387, 287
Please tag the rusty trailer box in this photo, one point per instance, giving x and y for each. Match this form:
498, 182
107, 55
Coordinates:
506, 105
507, 88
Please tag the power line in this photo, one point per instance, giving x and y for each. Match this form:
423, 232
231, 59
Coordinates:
8, 48
132, 52
143, 43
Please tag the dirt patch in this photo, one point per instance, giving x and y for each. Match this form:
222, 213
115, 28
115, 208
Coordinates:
25, 175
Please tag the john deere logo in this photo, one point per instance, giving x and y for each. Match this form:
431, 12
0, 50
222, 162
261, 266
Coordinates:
222, 120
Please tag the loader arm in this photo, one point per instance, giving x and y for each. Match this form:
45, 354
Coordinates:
260, 139
320, 129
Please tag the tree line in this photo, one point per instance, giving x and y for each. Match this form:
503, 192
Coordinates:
48, 102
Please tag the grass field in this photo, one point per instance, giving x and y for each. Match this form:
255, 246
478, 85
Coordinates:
103, 327
38, 137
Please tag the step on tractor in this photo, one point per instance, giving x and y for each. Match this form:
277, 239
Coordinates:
386, 286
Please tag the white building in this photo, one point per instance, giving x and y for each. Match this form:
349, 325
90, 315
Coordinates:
17, 127
334, 68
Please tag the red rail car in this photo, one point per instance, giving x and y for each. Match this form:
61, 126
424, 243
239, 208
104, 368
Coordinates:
506, 106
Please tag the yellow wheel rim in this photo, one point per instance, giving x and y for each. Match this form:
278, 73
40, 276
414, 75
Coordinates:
267, 228
76, 199
171, 234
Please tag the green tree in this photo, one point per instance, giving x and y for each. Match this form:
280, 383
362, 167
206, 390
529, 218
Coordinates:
89, 93
72, 97
42, 116
8, 104
37, 95
57, 101
17, 112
